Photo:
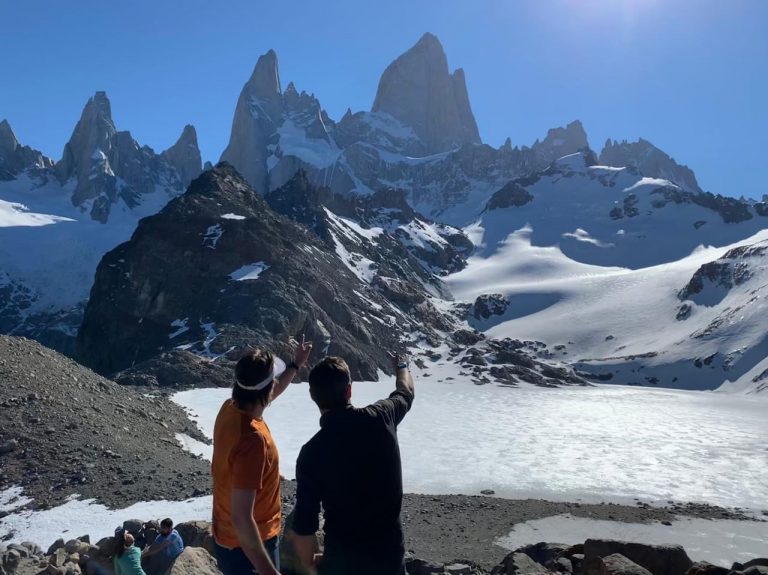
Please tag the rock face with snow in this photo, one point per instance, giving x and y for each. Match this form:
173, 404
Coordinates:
420, 136
258, 276
610, 216
109, 167
649, 161
418, 90
15, 158
56, 221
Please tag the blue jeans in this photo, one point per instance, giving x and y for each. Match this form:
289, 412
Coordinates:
235, 562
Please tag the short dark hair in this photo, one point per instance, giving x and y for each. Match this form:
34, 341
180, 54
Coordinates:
167, 522
254, 367
328, 383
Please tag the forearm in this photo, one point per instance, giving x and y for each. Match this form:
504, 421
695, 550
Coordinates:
306, 547
283, 381
404, 380
253, 547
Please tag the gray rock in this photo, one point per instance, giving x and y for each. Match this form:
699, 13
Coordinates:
257, 115
194, 560
650, 161
617, 564
418, 90
184, 155
658, 559
518, 564
15, 158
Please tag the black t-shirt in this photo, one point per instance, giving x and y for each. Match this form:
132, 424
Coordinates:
352, 466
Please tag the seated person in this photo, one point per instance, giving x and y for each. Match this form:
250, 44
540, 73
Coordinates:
168, 545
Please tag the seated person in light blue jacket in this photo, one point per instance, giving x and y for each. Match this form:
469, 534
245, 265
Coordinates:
168, 545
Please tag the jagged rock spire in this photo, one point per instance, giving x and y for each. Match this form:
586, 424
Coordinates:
184, 155
258, 110
94, 131
418, 90
14, 157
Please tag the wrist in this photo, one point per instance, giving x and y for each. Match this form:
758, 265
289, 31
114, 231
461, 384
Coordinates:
294, 366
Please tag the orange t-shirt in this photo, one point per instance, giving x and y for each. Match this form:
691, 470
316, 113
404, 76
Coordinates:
244, 457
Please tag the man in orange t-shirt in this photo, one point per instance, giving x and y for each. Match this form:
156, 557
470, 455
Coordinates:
246, 477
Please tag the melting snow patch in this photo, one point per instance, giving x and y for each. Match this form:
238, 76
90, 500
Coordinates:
583, 236
181, 324
718, 541
232, 217
76, 516
249, 272
212, 235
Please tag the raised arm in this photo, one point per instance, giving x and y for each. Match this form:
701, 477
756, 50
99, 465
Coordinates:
403, 377
302, 351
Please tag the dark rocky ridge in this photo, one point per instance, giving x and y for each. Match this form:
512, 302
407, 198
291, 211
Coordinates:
306, 288
15, 158
66, 430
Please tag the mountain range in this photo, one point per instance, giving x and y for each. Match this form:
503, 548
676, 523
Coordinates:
397, 219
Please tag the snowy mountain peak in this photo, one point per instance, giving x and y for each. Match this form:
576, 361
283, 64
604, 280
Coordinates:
418, 90
649, 161
184, 155
94, 131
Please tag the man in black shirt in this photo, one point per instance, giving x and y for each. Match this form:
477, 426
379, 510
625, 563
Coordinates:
352, 467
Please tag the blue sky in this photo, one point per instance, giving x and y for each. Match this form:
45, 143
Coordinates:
689, 75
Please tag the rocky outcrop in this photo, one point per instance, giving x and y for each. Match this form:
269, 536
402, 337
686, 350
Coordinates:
15, 158
184, 155
258, 112
561, 142
66, 430
258, 276
735, 268
649, 161
110, 166
657, 559
418, 90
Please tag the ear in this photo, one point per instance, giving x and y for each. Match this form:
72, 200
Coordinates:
349, 391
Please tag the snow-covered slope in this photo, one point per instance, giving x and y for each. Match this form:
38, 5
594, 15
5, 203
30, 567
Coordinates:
628, 326
613, 216
57, 221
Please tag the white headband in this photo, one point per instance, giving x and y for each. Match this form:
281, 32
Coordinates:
278, 367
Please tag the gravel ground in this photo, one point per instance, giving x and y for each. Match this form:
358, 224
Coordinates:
443, 528
65, 429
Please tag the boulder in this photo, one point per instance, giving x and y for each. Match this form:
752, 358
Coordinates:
544, 553
658, 559
58, 558
195, 560
518, 564
58, 544
756, 570
760, 561
617, 564
197, 534
704, 568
